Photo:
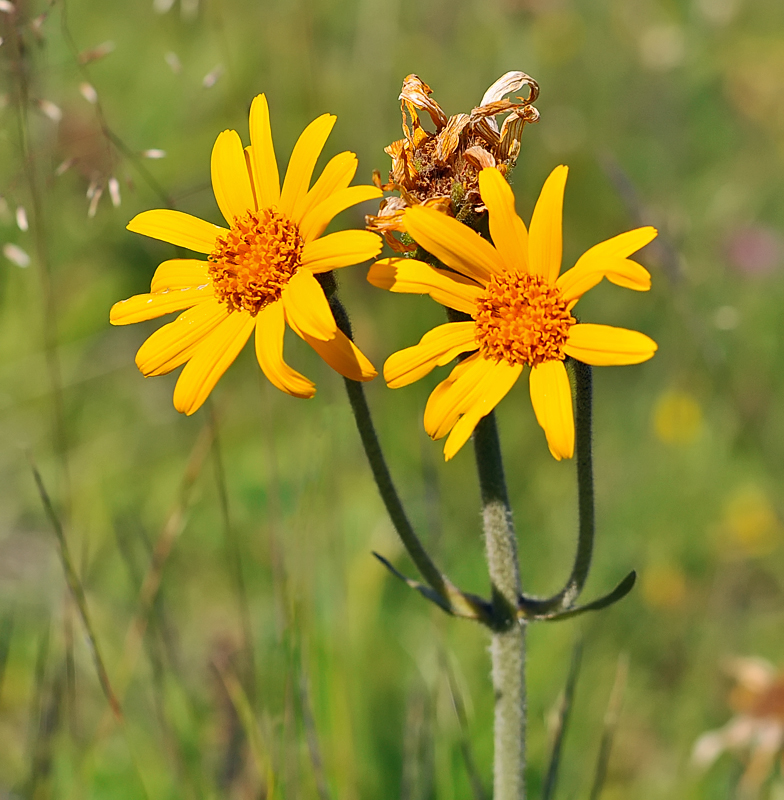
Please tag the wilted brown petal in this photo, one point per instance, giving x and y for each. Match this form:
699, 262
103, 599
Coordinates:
479, 158
402, 169
417, 93
484, 130
512, 130
511, 82
389, 217
448, 139
442, 203
491, 109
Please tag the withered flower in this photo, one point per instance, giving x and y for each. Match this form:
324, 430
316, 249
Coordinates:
756, 729
441, 169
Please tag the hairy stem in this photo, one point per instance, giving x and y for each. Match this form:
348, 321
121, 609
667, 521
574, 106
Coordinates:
507, 648
378, 465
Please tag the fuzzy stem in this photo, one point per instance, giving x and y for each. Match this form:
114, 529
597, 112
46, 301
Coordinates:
375, 456
585, 496
507, 648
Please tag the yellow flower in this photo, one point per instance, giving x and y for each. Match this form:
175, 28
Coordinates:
260, 273
519, 309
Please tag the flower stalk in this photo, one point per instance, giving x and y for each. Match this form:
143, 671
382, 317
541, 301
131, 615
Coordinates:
439, 589
507, 648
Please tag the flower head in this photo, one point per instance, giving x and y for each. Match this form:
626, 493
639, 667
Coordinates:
757, 728
260, 272
518, 311
440, 170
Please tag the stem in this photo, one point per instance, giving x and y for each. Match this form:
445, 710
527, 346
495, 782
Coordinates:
583, 397
381, 474
507, 647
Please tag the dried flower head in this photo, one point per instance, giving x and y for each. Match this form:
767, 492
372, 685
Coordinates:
756, 730
441, 169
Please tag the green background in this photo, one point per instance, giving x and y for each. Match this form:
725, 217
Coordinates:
668, 113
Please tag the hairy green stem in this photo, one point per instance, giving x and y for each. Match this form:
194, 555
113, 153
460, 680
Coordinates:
507, 648
379, 468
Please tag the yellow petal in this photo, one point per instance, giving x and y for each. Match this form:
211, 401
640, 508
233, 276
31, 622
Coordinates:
456, 395
495, 386
609, 259
149, 306
435, 403
174, 344
177, 228
177, 273
270, 327
551, 397
210, 360
507, 230
545, 240
340, 249
337, 175
410, 276
230, 177
265, 166
307, 308
317, 219
342, 355
251, 175
604, 345
303, 159
436, 348
453, 243
621, 271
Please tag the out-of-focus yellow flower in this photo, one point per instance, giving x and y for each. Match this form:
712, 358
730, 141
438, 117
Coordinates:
757, 727
260, 273
750, 522
518, 311
677, 418
663, 586
440, 170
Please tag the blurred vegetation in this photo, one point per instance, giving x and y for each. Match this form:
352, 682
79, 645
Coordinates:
280, 659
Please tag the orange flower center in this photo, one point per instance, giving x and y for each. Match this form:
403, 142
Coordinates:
522, 319
253, 261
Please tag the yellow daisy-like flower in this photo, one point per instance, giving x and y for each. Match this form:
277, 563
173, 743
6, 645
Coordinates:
520, 311
260, 271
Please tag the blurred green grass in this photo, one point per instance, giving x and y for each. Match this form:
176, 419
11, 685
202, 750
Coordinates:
668, 114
